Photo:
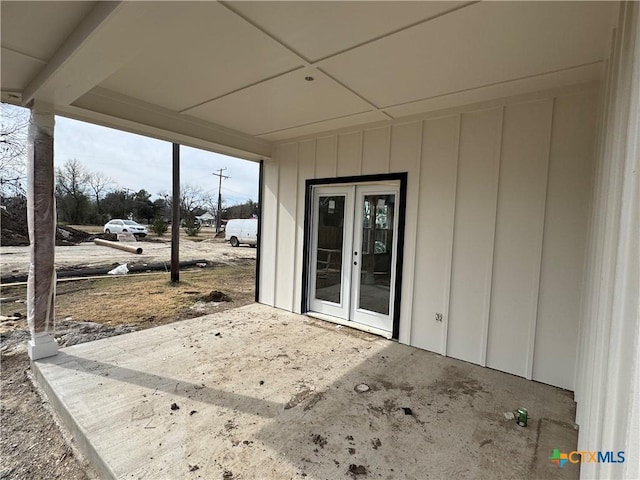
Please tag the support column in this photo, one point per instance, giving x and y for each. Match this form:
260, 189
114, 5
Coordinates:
175, 216
41, 218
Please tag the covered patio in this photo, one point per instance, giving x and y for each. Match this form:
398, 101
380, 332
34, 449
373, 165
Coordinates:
501, 141
263, 393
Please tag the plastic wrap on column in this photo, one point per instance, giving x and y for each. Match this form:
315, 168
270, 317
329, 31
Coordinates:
41, 218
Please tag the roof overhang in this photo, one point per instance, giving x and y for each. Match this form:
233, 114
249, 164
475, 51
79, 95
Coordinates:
234, 76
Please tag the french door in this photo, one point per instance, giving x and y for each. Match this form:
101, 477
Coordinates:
354, 252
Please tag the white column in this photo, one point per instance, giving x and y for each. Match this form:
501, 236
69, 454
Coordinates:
608, 386
41, 217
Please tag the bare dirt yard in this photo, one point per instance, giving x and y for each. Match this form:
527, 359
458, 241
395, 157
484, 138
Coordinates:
32, 445
15, 260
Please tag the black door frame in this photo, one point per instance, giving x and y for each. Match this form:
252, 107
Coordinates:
308, 205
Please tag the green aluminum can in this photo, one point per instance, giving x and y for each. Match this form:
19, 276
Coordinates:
522, 416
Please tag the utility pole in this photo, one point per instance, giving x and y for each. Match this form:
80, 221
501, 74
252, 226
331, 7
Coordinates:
220, 177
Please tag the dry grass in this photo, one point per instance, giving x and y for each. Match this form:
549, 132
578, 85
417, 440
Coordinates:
148, 300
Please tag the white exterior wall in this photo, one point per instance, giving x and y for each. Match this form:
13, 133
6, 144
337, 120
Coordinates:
496, 222
608, 375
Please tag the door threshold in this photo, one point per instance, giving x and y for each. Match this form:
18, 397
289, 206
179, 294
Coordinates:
355, 325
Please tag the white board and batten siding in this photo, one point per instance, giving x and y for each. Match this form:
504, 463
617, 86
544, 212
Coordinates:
496, 219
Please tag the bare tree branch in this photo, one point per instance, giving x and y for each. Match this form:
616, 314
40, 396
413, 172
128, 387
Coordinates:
100, 184
13, 149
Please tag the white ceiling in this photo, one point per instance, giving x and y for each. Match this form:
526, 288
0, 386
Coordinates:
242, 65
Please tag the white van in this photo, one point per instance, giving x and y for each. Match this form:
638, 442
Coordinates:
242, 230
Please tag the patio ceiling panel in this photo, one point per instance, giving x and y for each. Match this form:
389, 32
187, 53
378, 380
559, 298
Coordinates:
241, 65
482, 44
23, 53
316, 30
38, 29
283, 102
17, 69
208, 52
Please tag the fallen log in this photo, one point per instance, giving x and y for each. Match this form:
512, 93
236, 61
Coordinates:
119, 246
96, 271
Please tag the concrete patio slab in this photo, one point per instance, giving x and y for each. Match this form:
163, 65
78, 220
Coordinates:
256, 392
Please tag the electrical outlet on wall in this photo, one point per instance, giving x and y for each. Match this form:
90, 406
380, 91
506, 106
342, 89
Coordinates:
438, 317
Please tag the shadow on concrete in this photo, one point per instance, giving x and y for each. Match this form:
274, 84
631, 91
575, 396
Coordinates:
177, 387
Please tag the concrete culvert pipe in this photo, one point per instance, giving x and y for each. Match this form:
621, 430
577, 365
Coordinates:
119, 246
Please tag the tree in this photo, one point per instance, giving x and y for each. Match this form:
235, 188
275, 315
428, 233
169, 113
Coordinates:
160, 209
72, 180
143, 206
192, 202
13, 150
243, 210
99, 184
119, 203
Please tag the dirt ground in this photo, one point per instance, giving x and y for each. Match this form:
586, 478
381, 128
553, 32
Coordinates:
32, 446
15, 260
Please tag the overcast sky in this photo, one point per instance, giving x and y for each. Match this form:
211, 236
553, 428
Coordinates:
136, 162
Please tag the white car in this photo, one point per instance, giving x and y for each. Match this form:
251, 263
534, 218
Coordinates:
118, 226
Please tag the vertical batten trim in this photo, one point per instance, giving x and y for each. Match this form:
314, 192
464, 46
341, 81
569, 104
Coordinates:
447, 280
489, 273
389, 129
335, 156
315, 157
361, 150
410, 291
276, 250
535, 297
295, 230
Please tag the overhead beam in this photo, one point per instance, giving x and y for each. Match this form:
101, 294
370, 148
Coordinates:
48, 78
111, 36
110, 109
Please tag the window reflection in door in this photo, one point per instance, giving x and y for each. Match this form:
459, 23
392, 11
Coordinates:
376, 250
329, 248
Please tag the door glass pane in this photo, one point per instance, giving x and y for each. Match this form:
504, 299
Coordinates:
329, 250
376, 252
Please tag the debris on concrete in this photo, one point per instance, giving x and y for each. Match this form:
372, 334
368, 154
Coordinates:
357, 469
319, 440
303, 393
193, 412
174, 406
261, 382
361, 388
193, 468
407, 411
289, 442
227, 475
509, 415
